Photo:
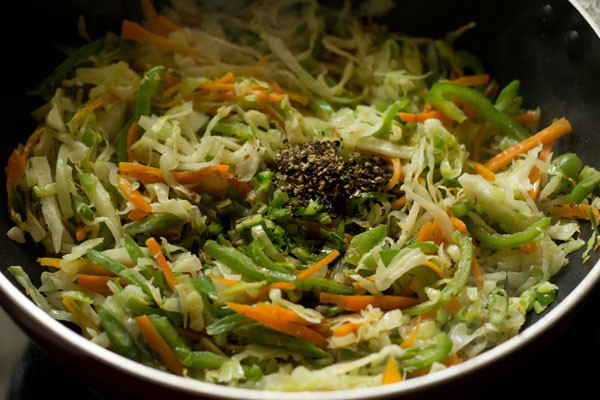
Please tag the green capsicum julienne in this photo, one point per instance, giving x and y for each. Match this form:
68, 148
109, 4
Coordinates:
443, 94
495, 240
148, 87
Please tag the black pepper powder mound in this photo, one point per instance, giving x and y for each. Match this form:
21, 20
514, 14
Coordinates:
319, 171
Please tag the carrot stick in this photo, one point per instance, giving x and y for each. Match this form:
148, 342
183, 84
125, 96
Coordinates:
98, 102
396, 173
484, 171
212, 179
558, 128
151, 17
80, 232
398, 203
430, 231
359, 302
95, 283
224, 281
287, 327
16, 167
576, 211
158, 344
535, 176
133, 31
158, 255
423, 116
322, 263
133, 134
458, 224
281, 313
410, 340
440, 272
529, 117
133, 195
346, 328
83, 321
451, 359
391, 373
472, 80
136, 214
53, 262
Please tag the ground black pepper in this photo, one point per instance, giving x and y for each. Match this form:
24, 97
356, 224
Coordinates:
319, 171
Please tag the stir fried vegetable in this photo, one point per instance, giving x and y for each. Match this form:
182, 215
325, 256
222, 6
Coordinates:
283, 196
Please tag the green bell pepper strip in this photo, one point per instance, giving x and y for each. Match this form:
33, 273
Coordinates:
569, 163
242, 264
131, 275
507, 240
234, 128
420, 357
227, 324
133, 249
120, 339
584, 187
458, 281
80, 56
363, 242
168, 332
508, 101
388, 117
258, 255
270, 338
443, 94
200, 359
318, 284
154, 223
148, 88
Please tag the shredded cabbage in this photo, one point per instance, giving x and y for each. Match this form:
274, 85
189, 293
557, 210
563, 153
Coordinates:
315, 217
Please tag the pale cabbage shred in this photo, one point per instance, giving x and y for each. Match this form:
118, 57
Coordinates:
182, 137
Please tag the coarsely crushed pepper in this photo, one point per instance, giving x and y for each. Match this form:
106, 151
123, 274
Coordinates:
319, 171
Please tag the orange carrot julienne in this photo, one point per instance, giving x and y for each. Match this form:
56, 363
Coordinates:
451, 359
80, 232
224, 281
452, 306
359, 302
391, 374
213, 178
133, 31
529, 117
458, 224
16, 167
98, 102
81, 319
410, 340
423, 116
287, 327
95, 283
136, 214
346, 328
133, 195
430, 231
322, 263
440, 272
151, 16
133, 134
158, 344
398, 203
53, 262
535, 175
528, 248
576, 211
472, 80
484, 171
558, 128
396, 174
280, 312
158, 255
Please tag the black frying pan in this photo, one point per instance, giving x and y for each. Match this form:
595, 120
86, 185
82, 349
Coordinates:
548, 45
